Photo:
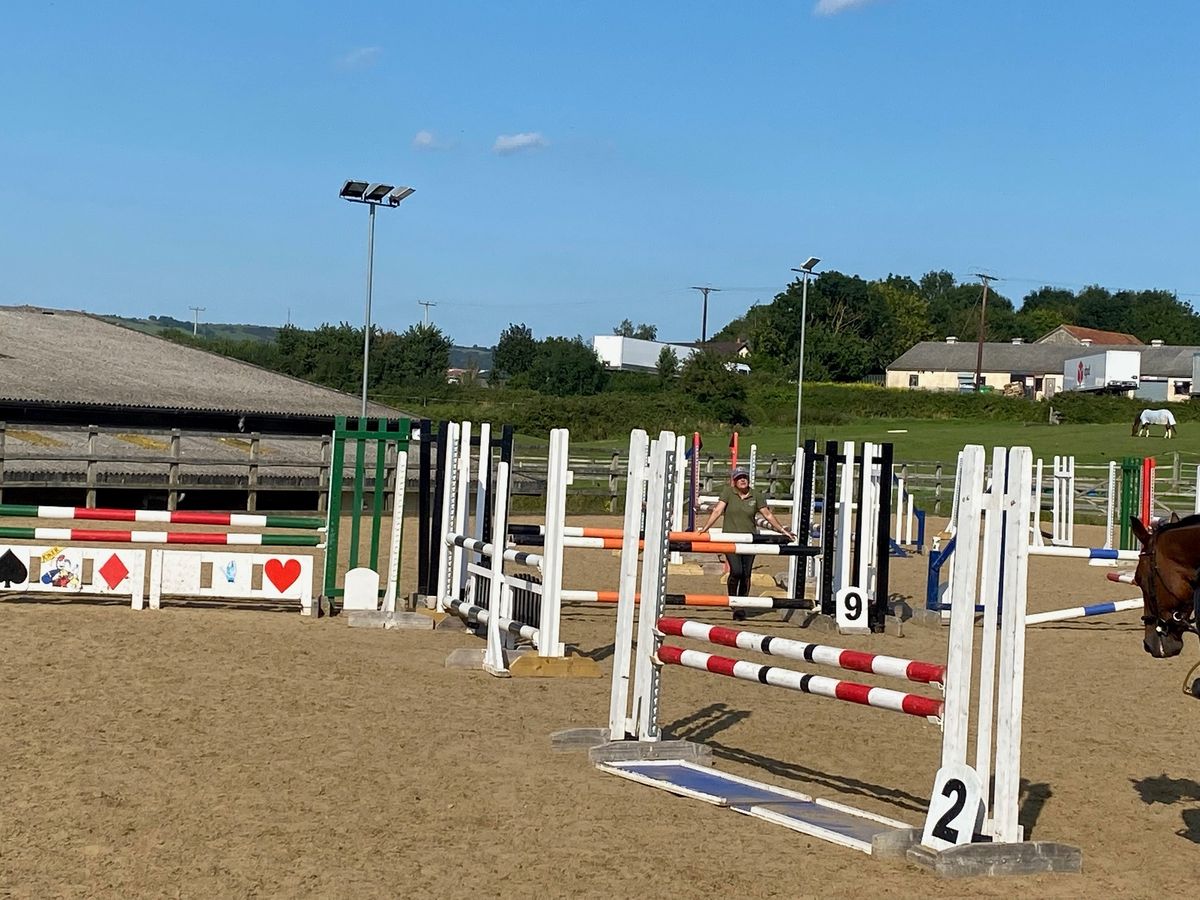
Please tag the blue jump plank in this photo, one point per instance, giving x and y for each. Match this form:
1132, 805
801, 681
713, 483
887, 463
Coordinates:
832, 822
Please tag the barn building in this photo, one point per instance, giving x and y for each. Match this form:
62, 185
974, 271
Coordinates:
94, 413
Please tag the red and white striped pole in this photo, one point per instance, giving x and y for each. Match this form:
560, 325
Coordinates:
817, 685
853, 660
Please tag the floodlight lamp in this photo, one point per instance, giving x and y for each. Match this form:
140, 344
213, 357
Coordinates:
399, 194
376, 192
353, 190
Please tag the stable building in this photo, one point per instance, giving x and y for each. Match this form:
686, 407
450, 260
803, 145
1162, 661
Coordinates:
1037, 368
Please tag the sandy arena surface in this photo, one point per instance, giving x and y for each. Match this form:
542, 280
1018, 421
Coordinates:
207, 752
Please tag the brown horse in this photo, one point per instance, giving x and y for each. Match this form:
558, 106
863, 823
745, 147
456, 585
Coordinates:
1168, 572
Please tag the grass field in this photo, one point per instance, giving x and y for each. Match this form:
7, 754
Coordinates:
923, 440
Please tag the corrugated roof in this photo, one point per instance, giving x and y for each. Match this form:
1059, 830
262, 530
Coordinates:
1035, 359
1096, 336
59, 356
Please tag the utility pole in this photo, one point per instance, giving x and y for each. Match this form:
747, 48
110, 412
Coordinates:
986, 279
196, 310
704, 316
426, 304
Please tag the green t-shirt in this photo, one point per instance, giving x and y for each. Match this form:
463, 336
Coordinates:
739, 513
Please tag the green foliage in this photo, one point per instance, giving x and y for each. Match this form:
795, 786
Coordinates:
668, 364
633, 383
1082, 409
707, 380
565, 367
640, 332
417, 358
515, 352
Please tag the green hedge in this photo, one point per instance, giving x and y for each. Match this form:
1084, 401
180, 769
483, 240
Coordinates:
610, 415
1084, 409
839, 404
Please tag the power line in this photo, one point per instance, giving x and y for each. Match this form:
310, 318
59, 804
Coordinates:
1079, 285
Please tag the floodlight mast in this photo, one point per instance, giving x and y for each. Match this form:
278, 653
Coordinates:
372, 194
806, 270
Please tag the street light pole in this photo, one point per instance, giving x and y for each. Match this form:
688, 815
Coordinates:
367, 319
373, 194
806, 271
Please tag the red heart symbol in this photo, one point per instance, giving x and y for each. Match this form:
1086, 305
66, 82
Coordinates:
282, 574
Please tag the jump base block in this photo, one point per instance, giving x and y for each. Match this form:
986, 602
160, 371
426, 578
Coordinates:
396, 620
569, 740
530, 665
633, 752
974, 860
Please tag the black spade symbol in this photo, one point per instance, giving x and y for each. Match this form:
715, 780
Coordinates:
12, 570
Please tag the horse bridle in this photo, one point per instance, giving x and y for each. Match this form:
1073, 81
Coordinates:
1182, 620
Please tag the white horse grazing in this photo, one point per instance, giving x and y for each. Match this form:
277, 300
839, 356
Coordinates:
1148, 417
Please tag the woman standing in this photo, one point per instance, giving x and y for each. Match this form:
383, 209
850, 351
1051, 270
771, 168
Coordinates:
739, 504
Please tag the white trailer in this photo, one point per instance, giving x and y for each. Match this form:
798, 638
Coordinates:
1108, 370
632, 354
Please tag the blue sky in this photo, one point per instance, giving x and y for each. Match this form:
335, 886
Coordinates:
577, 164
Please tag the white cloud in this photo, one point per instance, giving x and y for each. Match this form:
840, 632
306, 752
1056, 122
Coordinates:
425, 140
516, 143
833, 7
360, 58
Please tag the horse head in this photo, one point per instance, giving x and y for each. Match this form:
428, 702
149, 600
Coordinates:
1137, 424
1168, 573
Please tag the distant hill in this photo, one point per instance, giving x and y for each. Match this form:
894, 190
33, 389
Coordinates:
159, 324
460, 357
463, 357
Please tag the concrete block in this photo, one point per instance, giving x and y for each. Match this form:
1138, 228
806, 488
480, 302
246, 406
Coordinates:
929, 618
397, 620
464, 658
444, 621
821, 623
624, 751
985, 859
570, 740
472, 658
896, 843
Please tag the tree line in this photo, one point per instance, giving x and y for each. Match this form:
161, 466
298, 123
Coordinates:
854, 329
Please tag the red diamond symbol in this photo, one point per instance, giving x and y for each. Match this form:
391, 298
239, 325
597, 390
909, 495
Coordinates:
113, 571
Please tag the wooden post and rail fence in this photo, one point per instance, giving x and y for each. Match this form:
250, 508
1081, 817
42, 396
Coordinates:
167, 464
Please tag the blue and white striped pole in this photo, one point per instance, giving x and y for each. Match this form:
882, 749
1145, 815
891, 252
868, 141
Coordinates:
1082, 612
